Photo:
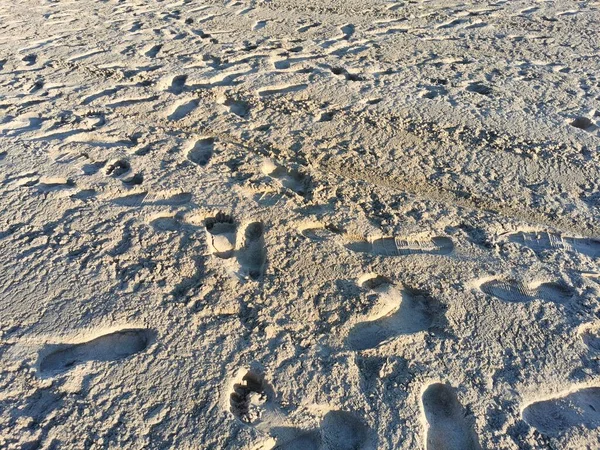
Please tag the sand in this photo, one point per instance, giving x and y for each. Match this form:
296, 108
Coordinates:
300, 224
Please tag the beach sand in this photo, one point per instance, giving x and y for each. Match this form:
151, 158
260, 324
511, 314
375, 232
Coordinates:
291, 224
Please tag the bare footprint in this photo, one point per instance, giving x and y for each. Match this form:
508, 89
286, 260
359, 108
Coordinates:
220, 233
479, 88
305, 28
347, 31
247, 397
251, 402
251, 252
238, 107
166, 222
557, 415
170, 198
153, 51
259, 25
109, 347
447, 427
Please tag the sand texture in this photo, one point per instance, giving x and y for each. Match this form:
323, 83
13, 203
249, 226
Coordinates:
300, 224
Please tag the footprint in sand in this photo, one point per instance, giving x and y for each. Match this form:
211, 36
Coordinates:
583, 123
383, 246
402, 311
299, 440
240, 108
292, 179
248, 397
392, 246
247, 244
590, 335
109, 347
319, 232
479, 88
259, 25
447, 427
183, 109
305, 28
117, 168
201, 151
221, 232
166, 222
152, 51
542, 241
177, 84
48, 184
557, 415
170, 198
347, 31
133, 179
280, 89
251, 251
516, 291
251, 402
129, 200
341, 430
30, 59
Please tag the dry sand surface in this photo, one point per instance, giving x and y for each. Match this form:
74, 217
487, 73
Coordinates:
300, 224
